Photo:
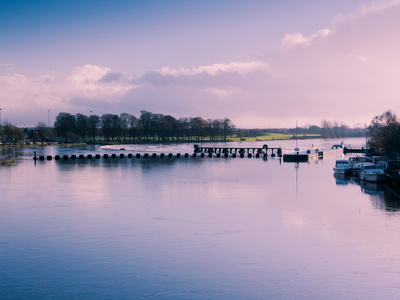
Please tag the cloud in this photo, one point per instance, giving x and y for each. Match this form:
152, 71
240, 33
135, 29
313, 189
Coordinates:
348, 73
216, 69
295, 39
368, 9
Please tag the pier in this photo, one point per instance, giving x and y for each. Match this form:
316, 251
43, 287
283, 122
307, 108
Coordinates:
265, 150
210, 152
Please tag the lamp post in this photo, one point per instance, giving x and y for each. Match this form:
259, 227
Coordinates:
48, 112
1, 120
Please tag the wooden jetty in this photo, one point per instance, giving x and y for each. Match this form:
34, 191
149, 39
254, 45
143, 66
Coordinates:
265, 150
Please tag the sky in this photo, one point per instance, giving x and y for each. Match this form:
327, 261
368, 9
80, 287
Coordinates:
260, 63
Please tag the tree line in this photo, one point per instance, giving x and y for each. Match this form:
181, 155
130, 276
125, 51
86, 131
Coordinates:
328, 129
148, 127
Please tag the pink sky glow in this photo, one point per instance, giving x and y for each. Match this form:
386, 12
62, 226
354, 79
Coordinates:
345, 67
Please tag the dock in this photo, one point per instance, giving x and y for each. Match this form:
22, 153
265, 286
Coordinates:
264, 151
217, 152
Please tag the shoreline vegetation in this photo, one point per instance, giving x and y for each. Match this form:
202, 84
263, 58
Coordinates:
155, 128
101, 141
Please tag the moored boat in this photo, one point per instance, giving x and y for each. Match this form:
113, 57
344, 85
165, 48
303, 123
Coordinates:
393, 170
372, 172
355, 163
380, 160
342, 167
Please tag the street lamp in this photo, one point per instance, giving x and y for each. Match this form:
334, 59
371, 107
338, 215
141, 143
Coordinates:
48, 111
0, 117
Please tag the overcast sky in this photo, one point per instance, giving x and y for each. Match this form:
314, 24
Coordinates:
260, 63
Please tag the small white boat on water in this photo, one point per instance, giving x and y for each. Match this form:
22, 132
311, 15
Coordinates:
372, 172
342, 167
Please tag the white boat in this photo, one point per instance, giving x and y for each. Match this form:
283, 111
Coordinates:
356, 162
380, 160
342, 167
372, 172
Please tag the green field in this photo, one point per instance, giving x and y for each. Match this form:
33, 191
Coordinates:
271, 136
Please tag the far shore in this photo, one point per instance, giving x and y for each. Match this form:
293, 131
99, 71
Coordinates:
275, 137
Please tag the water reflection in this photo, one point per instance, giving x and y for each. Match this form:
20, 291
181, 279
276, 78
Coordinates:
193, 229
341, 179
383, 196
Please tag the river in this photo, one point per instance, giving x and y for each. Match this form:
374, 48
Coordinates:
186, 228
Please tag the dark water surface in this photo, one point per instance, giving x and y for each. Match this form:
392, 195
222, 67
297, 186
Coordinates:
193, 228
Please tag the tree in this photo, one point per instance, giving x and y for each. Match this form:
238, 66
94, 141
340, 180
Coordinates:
133, 126
106, 123
41, 131
144, 123
227, 128
12, 134
81, 125
125, 121
326, 129
198, 126
65, 125
93, 123
384, 133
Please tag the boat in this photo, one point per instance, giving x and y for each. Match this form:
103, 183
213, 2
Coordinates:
393, 170
342, 167
380, 160
372, 172
355, 163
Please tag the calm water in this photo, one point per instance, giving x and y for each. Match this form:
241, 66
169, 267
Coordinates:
194, 228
